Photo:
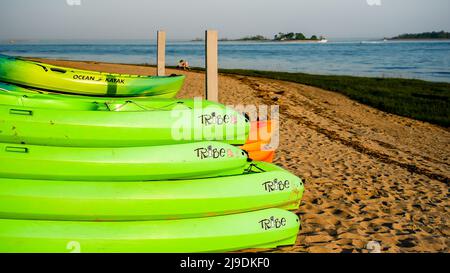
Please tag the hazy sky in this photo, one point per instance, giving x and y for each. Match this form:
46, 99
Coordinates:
186, 19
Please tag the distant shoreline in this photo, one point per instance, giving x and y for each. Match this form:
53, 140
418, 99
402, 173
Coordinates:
265, 41
434, 35
302, 41
418, 39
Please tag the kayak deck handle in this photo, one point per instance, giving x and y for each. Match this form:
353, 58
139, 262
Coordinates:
59, 70
20, 112
16, 149
43, 67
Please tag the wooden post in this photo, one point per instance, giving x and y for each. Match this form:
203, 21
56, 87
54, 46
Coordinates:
211, 59
161, 53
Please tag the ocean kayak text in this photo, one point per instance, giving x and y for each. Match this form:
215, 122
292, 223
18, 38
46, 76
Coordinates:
97, 79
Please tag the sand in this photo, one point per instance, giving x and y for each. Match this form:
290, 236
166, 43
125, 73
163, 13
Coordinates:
370, 175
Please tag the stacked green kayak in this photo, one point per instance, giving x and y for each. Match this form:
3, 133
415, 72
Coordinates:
63, 120
120, 164
135, 174
259, 229
261, 185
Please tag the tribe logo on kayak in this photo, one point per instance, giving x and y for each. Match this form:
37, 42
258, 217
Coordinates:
276, 185
217, 119
272, 222
210, 152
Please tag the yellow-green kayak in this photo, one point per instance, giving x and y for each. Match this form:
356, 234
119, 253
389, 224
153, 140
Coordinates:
63, 120
262, 186
76, 81
258, 229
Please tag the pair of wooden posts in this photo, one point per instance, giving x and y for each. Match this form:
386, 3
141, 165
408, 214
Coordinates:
211, 62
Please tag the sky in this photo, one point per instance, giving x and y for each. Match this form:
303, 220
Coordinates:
187, 19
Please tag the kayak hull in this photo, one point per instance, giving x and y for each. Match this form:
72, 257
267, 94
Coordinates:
192, 160
261, 229
43, 119
149, 200
76, 81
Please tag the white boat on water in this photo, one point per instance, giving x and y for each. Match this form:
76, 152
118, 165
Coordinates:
323, 41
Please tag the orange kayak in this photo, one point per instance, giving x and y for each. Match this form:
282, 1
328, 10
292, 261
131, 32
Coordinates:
260, 135
266, 156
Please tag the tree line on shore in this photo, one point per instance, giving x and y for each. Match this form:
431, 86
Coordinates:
290, 36
424, 35
294, 36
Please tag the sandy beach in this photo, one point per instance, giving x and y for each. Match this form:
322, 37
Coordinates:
370, 175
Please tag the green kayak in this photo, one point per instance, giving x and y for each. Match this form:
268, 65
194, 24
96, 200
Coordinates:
266, 186
199, 159
45, 119
259, 229
70, 80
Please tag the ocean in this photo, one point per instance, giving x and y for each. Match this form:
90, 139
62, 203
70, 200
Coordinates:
427, 60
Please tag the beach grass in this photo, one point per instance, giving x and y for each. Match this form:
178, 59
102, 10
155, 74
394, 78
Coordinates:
417, 99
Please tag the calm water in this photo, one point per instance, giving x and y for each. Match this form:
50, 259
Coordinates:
420, 60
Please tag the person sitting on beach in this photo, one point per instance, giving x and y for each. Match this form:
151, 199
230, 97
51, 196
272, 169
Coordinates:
180, 62
183, 64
